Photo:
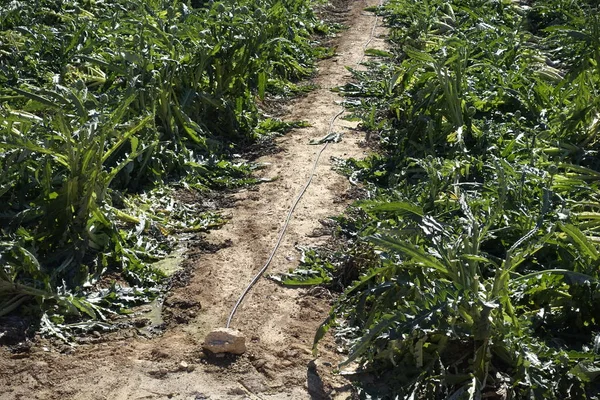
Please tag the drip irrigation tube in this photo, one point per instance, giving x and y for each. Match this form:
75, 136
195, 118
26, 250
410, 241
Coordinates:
299, 197
285, 225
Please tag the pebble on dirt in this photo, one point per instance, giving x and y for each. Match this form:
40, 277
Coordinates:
225, 340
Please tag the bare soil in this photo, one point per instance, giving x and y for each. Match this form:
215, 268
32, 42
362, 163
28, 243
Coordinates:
279, 323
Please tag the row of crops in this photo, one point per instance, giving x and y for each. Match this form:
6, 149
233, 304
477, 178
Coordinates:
475, 272
106, 109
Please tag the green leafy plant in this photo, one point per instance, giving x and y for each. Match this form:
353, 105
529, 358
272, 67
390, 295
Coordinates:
102, 104
482, 205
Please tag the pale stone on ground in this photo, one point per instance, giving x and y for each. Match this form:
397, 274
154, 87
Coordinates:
225, 340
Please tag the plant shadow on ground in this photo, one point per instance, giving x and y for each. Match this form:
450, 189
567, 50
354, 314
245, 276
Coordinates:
316, 387
16, 331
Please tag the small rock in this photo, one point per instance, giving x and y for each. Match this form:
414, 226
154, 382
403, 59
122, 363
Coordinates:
225, 340
158, 354
292, 354
159, 373
128, 334
142, 322
272, 375
67, 350
237, 391
254, 385
185, 367
258, 364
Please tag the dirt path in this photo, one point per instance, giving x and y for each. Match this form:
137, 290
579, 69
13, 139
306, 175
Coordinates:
279, 323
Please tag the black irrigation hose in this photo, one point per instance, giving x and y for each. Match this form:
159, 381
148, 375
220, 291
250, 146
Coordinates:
298, 198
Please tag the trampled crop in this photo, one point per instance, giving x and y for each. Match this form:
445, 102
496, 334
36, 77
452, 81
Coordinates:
102, 99
479, 241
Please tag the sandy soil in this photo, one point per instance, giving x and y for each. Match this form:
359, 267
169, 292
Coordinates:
279, 323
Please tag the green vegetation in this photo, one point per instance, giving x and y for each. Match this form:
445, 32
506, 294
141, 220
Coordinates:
480, 237
102, 101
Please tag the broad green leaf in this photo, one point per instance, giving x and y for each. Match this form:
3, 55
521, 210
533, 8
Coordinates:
586, 371
126, 135
419, 55
385, 321
581, 241
37, 98
416, 254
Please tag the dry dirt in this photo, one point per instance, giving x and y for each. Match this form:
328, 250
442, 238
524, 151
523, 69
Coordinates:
279, 323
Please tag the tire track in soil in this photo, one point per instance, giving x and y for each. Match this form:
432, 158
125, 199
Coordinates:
279, 323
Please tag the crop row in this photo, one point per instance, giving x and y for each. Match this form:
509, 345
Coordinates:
101, 101
475, 272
